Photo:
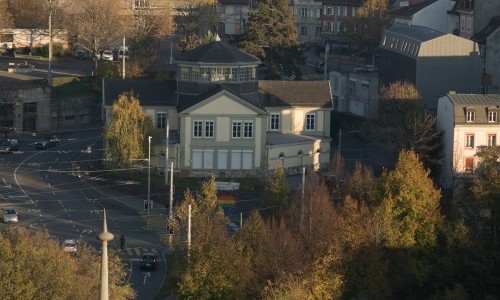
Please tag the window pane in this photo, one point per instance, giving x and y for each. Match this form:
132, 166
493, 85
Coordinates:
209, 129
236, 129
197, 128
248, 130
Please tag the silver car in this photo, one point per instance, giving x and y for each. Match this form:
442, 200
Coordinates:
9, 215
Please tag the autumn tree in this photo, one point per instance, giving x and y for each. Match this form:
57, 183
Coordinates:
126, 136
157, 20
215, 269
364, 30
408, 124
99, 25
34, 266
410, 204
486, 189
276, 193
362, 184
5, 15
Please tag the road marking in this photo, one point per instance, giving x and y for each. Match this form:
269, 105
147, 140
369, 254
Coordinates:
146, 275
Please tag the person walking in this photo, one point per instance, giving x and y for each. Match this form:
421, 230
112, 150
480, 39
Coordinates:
122, 242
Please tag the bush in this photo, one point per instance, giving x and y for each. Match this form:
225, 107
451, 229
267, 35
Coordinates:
27, 50
57, 50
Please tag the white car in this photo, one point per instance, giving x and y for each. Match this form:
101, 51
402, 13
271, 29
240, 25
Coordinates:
9, 215
69, 245
107, 55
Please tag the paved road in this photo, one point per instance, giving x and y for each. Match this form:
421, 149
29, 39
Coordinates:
51, 192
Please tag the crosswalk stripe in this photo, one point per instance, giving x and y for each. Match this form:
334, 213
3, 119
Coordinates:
138, 251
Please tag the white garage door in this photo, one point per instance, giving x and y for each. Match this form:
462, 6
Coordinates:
208, 159
221, 159
247, 159
236, 159
197, 159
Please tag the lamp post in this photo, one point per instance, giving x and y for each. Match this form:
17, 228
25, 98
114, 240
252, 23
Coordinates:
325, 68
49, 73
149, 175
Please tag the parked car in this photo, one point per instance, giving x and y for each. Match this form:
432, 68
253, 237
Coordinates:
9, 146
47, 142
69, 245
107, 55
320, 67
148, 261
120, 53
81, 54
9, 215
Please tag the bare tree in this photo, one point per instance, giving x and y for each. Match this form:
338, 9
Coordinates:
99, 24
156, 20
5, 15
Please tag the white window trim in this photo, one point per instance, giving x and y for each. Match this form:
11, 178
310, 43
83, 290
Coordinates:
205, 131
467, 144
472, 118
161, 113
313, 123
271, 122
194, 129
240, 131
251, 131
494, 114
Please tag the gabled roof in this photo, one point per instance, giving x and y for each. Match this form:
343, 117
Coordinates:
149, 92
217, 52
475, 99
487, 30
275, 93
408, 11
187, 102
415, 32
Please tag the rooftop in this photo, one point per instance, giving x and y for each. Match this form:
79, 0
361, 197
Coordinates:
417, 33
408, 11
217, 52
295, 93
474, 99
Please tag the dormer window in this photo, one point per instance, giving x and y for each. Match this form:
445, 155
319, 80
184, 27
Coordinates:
470, 115
492, 115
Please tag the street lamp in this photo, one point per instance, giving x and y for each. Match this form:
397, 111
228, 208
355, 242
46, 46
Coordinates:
149, 174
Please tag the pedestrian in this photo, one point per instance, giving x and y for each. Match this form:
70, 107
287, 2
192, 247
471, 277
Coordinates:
122, 242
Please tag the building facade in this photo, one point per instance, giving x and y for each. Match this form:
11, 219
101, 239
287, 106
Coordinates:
436, 62
222, 120
469, 122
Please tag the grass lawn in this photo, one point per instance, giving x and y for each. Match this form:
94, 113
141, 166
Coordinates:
73, 86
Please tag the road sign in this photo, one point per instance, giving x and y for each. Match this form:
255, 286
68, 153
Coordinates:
89, 149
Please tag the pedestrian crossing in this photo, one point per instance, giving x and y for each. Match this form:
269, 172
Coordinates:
138, 251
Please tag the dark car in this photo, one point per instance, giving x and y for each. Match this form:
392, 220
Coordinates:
47, 142
320, 67
148, 261
9, 146
81, 54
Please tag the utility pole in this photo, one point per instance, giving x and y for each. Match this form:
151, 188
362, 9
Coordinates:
171, 47
171, 198
167, 137
303, 193
325, 69
189, 231
340, 139
123, 59
49, 73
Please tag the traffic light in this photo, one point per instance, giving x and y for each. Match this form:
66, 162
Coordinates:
146, 205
